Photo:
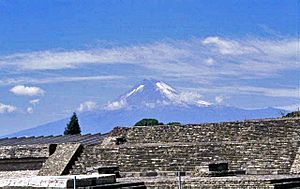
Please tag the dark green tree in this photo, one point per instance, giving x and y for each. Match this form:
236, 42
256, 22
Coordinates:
73, 127
148, 122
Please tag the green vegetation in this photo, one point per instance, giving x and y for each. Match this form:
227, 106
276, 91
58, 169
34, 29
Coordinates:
174, 123
73, 127
152, 122
148, 122
292, 114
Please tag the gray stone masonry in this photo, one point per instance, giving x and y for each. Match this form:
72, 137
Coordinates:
95, 156
253, 157
59, 182
24, 151
59, 162
295, 169
23, 157
257, 146
232, 182
258, 130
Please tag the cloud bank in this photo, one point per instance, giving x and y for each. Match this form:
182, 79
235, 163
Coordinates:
28, 80
211, 60
211, 57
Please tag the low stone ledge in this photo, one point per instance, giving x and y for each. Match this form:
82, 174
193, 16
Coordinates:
58, 181
152, 174
230, 182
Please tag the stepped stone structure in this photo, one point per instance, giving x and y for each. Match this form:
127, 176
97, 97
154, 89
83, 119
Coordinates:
57, 164
245, 154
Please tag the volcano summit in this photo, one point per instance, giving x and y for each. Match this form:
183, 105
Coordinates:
151, 99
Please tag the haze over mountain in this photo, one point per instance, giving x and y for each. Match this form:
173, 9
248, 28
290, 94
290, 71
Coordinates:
151, 99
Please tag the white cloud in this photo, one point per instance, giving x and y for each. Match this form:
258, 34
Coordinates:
48, 60
34, 101
292, 107
229, 47
209, 61
150, 105
26, 90
219, 99
87, 106
30, 110
27, 80
116, 105
249, 58
239, 89
272, 92
4, 108
189, 96
192, 97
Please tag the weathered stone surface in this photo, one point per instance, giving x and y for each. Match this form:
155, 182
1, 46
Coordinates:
154, 154
295, 169
258, 147
95, 156
257, 130
231, 182
59, 161
58, 181
24, 151
18, 174
23, 157
253, 157
88, 139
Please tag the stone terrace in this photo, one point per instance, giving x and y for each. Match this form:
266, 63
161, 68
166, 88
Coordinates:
257, 130
257, 146
253, 157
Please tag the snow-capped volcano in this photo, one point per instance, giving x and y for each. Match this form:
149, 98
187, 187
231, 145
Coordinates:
152, 99
153, 93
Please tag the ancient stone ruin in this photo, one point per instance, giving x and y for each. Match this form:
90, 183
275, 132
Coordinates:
244, 154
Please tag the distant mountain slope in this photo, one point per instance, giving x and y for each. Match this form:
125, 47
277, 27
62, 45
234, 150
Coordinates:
293, 114
151, 99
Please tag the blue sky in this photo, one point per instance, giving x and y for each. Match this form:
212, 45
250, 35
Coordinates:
61, 56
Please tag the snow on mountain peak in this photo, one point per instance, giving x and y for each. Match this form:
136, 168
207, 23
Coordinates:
152, 93
139, 88
165, 89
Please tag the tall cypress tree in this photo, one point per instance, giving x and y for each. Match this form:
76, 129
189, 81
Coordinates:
73, 127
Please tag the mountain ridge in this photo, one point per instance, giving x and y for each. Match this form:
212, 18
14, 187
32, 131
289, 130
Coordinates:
151, 99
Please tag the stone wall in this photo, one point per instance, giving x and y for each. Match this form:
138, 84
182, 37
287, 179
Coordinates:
21, 164
245, 182
273, 157
23, 157
230, 182
24, 151
259, 130
209, 184
258, 146
255, 158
